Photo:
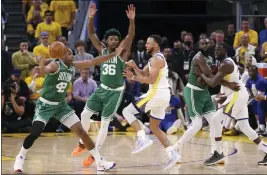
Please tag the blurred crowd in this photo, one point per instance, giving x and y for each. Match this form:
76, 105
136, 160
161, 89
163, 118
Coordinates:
49, 21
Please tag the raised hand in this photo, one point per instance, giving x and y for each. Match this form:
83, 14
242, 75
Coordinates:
131, 12
92, 9
128, 74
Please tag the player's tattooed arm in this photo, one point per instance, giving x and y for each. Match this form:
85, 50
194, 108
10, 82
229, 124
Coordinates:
224, 69
156, 65
91, 28
98, 60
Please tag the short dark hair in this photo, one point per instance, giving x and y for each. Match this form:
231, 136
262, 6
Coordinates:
244, 19
219, 31
80, 43
48, 11
225, 46
24, 40
112, 32
253, 68
157, 39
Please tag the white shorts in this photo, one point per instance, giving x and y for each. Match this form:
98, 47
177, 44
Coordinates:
235, 105
71, 120
154, 101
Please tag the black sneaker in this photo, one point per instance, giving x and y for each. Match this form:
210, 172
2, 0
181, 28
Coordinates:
260, 132
264, 134
264, 161
215, 158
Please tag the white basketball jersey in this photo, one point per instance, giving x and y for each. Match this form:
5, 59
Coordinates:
233, 77
162, 80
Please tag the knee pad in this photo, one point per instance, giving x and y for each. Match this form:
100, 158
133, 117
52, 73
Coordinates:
247, 130
129, 112
86, 114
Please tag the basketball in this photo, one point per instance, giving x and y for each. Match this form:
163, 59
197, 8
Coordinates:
57, 50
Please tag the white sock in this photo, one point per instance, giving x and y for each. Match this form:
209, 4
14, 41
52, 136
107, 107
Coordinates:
85, 120
218, 148
263, 146
96, 155
262, 127
190, 132
23, 152
102, 134
141, 134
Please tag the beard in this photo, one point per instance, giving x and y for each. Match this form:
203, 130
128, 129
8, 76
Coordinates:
204, 52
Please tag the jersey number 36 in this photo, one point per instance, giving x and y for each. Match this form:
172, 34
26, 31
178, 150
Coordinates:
109, 69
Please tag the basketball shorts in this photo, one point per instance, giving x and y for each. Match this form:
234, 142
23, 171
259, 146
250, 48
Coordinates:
156, 101
235, 105
199, 102
45, 110
106, 101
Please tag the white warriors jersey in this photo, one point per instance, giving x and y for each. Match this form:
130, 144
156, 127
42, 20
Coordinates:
233, 77
162, 79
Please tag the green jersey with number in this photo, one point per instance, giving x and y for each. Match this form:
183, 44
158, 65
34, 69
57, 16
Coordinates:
192, 77
56, 84
111, 71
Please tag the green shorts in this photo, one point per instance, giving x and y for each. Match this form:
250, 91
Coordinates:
44, 111
105, 101
198, 102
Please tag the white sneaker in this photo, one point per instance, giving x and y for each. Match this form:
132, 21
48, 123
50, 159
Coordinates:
175, 126
18, 165
105, 165
174, 158
141, 144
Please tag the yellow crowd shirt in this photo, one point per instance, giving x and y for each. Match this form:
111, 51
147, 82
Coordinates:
39, 84
62, 11
253, 38
41, 51
53, 30
264, 50
44, 7
242, 52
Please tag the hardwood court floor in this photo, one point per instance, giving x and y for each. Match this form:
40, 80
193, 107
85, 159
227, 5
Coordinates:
51, 154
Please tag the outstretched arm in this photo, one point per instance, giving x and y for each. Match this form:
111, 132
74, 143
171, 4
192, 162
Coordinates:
97, 60
91, 28
224, 69
156, 65
50, 68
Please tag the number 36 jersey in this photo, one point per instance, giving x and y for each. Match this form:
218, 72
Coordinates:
111, 71
56, 84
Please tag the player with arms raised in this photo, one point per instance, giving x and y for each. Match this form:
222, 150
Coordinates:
52, 103
108, 96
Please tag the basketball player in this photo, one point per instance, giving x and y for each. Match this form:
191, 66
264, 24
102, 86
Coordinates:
107, 98
234, 106
52, 104
156, 100
197, 96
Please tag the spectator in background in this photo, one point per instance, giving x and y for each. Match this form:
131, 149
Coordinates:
13, 108
140, 56
64, 14
53, 28
263, 53
213, 35
183, 33
220, 39
82, 55
212, 44
23, 59
242, 70
181, 59
251, 85
250, 60
252, 35
244, 49
167, 52
83, 87
263, 34
6, 64
177, 44
32, 26
175, 82
261, 98
38, 7
35, 83
42, 51
230, 36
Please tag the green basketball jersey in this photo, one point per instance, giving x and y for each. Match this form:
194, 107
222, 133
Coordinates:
56, 84
192, 77
111, 71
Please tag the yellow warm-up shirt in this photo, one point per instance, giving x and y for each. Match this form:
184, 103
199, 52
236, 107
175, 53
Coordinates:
264, 50
253, 38
44, 7
53, 30
39, 84
41, 51
62, 11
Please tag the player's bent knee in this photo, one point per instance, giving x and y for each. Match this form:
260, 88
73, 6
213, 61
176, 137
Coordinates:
246, 129
86, 114
128, 113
